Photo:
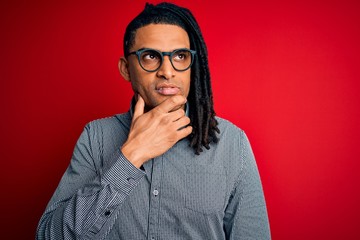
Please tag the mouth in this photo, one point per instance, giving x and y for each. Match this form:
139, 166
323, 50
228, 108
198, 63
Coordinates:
167, 89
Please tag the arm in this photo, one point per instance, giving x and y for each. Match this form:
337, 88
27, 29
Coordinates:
246, 214
86, 201
87, 197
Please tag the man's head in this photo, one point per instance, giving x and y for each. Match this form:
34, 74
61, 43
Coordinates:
152, 75
179, 65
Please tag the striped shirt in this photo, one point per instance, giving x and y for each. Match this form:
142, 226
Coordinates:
178, 195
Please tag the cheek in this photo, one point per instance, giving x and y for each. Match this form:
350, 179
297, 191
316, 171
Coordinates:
142, 84
138, 86
135, 78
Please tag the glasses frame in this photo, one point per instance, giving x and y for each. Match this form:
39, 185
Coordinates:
163, 54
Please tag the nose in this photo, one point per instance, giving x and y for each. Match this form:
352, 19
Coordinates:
166, 69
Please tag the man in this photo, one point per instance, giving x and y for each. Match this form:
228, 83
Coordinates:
145, 174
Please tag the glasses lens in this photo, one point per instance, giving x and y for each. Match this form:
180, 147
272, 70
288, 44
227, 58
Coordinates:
150, 60
181, 59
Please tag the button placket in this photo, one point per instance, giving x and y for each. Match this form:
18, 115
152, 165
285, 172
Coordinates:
155, 198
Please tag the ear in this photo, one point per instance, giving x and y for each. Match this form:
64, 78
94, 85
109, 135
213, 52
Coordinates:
124, 68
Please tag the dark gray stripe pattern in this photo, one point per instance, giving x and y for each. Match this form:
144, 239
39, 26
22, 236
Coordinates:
178, 195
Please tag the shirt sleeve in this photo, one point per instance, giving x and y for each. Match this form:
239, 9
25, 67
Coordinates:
85, 204
246, 215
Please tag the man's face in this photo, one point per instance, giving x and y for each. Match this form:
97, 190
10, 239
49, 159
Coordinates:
155, 87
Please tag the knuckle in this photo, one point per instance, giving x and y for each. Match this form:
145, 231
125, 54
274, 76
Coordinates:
173, 100
186, 120
155, 111
165, 120
178, 99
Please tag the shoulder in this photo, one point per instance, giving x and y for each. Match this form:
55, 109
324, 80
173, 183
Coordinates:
105, 135
109, 123
236, 148
232, 139
108, 128
229, 130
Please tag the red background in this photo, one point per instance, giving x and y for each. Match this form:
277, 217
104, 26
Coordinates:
287, 73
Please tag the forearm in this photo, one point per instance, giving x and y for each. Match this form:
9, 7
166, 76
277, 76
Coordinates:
93, 206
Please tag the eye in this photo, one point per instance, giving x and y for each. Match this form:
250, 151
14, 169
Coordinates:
150, 56
181, 55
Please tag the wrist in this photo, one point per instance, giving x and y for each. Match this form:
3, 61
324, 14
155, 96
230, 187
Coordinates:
133, 154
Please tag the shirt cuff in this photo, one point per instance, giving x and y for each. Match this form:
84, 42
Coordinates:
123, 175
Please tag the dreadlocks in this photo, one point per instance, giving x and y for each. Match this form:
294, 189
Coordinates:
201, 107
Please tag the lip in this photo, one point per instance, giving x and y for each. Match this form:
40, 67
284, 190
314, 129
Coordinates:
167, 89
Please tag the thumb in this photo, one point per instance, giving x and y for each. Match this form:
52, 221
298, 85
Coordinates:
139, 108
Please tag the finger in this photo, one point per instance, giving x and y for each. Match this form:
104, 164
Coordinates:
139, 108
184, 132
181, 123
171, 103
176, 115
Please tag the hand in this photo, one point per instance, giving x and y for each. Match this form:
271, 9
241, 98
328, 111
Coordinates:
153, 133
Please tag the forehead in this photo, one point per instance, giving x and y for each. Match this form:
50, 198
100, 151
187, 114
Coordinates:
164, 37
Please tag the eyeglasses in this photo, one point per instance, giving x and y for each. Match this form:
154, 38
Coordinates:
151, 60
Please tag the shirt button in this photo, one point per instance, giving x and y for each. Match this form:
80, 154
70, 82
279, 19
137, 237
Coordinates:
156, 192
130, 180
